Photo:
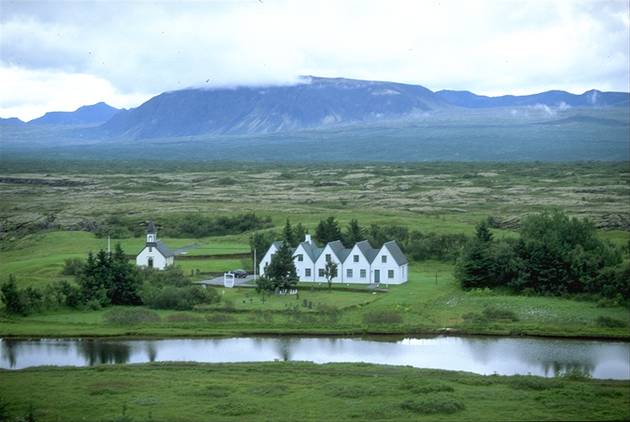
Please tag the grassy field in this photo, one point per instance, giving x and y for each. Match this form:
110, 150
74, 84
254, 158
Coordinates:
432, 197
302, 391
423, 306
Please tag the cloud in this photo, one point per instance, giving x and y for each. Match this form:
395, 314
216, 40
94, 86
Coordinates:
31, 93
489, 47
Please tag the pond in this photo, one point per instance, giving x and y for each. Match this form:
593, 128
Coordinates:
482, 355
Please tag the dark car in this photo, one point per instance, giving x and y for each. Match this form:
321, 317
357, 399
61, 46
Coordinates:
239, 273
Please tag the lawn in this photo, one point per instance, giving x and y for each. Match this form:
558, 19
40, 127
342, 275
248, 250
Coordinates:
302, 391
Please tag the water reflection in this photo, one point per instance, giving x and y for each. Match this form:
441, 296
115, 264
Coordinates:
483, 355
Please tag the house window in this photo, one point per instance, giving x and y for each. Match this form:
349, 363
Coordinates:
384, 259
150, 262
300, 258
307, 272
327, 257
321, 272
362, 273
355, 258
390, 273
349, 273
150, 249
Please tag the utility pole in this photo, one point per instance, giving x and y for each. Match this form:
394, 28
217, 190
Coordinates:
436, 278
254, 264
109, 245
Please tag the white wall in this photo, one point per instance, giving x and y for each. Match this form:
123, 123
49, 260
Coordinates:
300, 267
399, 272
321, 264
356, 267
266, 259
159, 261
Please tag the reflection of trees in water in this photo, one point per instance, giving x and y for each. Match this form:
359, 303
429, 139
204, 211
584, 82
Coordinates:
283, 347
562, 368
151, 351
8, 351
96, 352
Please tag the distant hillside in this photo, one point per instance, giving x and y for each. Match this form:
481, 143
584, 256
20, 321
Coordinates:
314, 103
91, 114
11, 121
318, 102
592, 98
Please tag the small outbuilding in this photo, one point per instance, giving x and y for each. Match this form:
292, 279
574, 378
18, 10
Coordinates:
155, 254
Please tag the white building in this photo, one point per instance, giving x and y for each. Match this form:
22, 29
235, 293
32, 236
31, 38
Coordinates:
155, 254
361, 264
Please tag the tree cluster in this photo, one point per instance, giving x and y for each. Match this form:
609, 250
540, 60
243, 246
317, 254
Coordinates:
280, 273
555, 255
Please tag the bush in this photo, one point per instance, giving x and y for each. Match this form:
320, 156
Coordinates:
328, 312
433, 405
533, 383
72, 266
608, 322
382, 317
178, 298
496, 314
216, 317
131, 316
183, 318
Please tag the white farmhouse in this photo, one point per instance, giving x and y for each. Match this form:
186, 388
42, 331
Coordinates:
155, 254
361, 264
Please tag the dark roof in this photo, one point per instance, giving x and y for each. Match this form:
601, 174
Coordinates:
151, 228
394, 249
164, 250
367, 250
312, 250
339, 250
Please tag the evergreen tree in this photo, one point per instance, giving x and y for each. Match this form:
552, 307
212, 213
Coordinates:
90, 280
11, 297
281, 270
289, 235
261, 241
482, 232
124, 280
354, 233
328, 231
300, 233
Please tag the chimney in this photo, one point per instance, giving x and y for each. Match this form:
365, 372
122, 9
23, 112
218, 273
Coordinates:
307, 238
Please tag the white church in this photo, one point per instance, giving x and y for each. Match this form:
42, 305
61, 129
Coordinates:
155, 254
361, 264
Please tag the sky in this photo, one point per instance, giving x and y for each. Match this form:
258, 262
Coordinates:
59, 55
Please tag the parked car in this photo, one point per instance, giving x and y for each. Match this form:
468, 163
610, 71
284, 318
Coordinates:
239, 273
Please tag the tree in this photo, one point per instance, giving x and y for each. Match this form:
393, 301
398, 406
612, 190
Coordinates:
328, 231
300, 233
124, 285
90, 279
482, 232
11, 297
288, 234
354, 233
330, 271
261, 241
281, 270
475, 267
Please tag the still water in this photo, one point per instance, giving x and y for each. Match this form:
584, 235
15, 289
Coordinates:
482, 355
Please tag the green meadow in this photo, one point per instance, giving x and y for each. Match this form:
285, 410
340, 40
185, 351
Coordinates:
302, 391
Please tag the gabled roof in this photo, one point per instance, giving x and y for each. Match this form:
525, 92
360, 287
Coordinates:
311, 249
395, 251
367, 250
164, 250
151, 228
339, 250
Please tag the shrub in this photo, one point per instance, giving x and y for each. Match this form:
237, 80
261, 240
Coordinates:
608, 322
495, 314
131, 316
217, 317
183, 318
328, 312
382, 317
433, 405
72, 266
533, 383
178, 298
416, 387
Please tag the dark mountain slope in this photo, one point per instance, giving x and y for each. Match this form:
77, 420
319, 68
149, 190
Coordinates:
320, 102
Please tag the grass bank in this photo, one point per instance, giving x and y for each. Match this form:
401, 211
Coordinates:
303, 391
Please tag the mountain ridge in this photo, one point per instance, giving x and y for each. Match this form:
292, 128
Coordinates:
88, 114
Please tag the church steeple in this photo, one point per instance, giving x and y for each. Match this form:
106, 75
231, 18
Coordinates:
151, 234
